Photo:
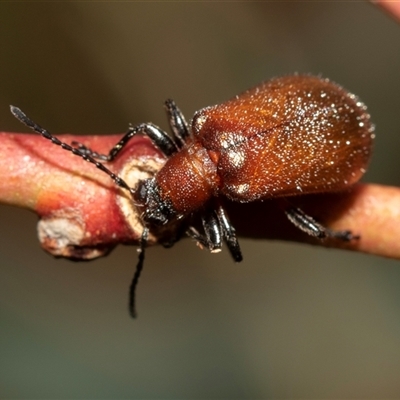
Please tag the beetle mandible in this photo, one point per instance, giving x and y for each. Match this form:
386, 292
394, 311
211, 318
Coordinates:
289, 136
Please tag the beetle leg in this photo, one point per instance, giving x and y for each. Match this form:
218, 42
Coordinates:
217, 227
89, 152
346, 236
159, 138
308, 224
212, 237
179, 126
212, 230
196, 235
229, 234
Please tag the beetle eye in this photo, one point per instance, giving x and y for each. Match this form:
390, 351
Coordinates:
141, 192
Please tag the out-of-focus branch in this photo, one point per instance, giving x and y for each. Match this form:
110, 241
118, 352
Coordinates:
390, 6
83, 214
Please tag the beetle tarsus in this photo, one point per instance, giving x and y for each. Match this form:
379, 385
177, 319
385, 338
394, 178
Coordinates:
346, 236
89, 152
308, 225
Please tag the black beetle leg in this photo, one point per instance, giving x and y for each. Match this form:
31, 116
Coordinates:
217, 227
212, 237
212, 230
159, 138
89, 152
179, 126
193, 233
308, 225
229, 234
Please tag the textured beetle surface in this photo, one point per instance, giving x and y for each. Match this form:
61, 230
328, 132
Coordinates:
288, 136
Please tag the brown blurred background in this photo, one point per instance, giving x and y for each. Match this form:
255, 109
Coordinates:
291, 321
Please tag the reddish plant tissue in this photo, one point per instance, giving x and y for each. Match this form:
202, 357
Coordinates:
81, 210
289, 137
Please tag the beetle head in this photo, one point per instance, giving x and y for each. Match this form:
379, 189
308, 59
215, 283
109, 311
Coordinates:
156, 211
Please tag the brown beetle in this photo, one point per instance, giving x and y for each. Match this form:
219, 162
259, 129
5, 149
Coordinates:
286, 137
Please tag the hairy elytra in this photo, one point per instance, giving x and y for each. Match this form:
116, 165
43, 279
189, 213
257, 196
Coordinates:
289, 136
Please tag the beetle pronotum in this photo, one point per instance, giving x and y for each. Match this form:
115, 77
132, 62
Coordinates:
289, 136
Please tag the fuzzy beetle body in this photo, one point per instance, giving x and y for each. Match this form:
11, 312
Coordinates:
289, 136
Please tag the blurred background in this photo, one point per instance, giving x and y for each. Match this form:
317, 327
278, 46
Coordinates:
291, 321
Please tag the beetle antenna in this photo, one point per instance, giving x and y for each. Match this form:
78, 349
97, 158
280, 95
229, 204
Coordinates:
22, 117
136, 276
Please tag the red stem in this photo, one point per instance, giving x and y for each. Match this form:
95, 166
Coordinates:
83, 214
